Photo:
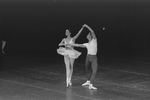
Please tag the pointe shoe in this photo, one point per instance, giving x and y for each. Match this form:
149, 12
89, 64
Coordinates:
70, 83
67, 84
92, 87
86, 83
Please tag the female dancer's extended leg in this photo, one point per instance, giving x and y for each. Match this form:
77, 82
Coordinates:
66, 60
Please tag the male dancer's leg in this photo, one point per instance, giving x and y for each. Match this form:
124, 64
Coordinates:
87, 67
94, 68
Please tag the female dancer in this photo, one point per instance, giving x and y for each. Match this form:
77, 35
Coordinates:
69, 53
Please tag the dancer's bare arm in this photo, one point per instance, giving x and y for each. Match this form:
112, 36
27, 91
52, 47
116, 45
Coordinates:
77, 45
77, 35
91, 31
62, 42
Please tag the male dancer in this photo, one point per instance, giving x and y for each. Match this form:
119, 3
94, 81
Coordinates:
91, 57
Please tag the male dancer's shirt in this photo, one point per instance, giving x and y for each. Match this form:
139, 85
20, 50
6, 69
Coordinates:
91, 47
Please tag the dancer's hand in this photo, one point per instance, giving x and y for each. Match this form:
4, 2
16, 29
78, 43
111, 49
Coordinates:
85, 25
82, 26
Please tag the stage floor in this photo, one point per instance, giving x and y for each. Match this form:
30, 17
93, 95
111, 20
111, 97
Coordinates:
43, 78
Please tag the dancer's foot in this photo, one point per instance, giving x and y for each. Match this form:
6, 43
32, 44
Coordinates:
86, 83
92, 87
69, 83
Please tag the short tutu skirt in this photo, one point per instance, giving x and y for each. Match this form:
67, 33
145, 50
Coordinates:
68, 52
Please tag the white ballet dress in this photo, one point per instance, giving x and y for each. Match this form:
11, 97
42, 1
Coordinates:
72, 53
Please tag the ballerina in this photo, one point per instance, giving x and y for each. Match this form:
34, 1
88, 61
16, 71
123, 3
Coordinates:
69, 53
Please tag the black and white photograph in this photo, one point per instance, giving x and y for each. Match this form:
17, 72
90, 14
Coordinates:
75, 50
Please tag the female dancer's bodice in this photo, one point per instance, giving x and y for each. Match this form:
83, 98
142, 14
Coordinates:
69, 42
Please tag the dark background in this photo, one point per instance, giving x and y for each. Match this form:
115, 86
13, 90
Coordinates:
37, 26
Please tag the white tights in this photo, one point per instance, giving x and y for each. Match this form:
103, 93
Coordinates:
69, 62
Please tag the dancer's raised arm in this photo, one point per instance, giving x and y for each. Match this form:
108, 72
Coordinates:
77, 35
91, 31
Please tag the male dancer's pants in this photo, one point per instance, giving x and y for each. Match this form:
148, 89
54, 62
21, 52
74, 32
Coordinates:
91, 66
